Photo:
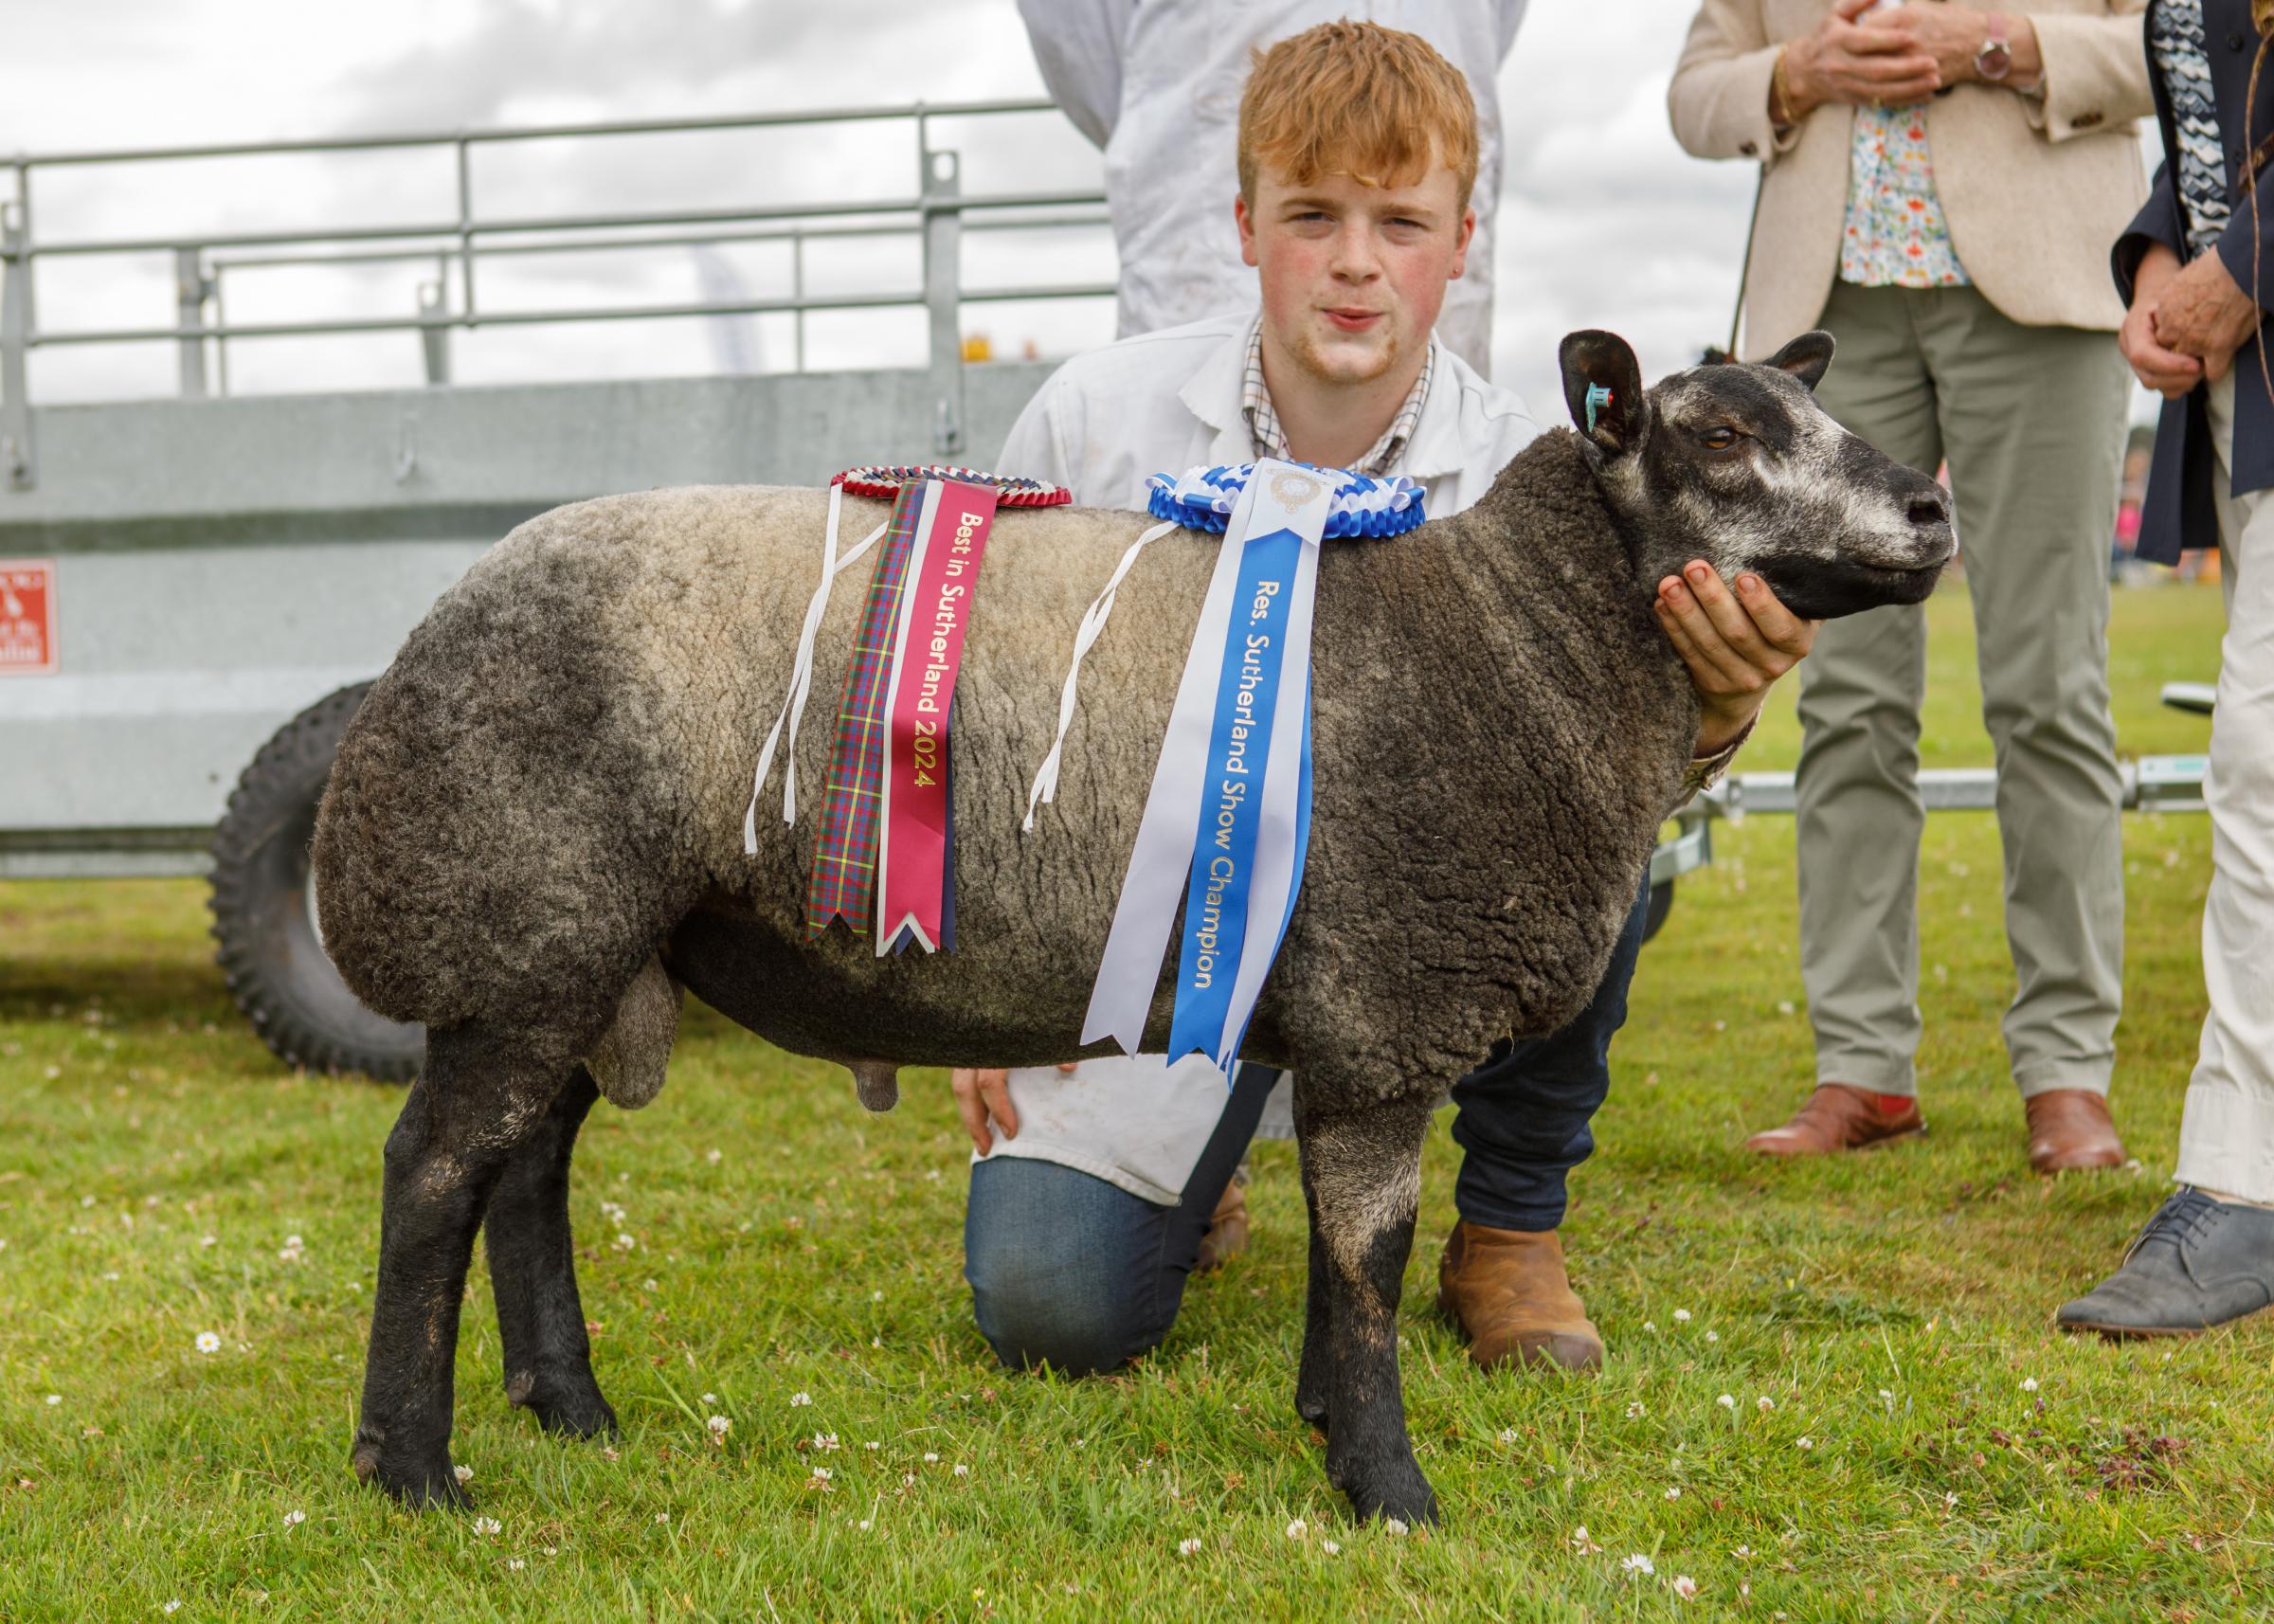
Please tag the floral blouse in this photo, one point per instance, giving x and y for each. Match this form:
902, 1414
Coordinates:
1895, 235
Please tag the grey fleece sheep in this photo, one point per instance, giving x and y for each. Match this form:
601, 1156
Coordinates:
537, 814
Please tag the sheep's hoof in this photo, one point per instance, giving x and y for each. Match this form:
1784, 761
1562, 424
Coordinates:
878, 1084
570, 1409
1398, 1492
419, 1485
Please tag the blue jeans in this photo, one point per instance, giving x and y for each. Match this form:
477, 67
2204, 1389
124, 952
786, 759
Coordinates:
1071, 1271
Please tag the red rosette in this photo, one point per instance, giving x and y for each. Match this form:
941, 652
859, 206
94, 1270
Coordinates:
882, 483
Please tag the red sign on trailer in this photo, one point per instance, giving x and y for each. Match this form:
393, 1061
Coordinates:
26, 617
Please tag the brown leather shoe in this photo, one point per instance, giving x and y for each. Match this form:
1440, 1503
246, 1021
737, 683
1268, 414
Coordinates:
2071, 1130
1840, 1117
1507, 1291
1227, 1235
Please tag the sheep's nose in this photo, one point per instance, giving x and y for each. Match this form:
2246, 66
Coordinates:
1928, 508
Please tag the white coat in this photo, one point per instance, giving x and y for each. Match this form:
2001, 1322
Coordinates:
1164, 402
1156, 85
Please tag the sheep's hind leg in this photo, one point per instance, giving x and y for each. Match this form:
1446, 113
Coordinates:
532, 1275
1361, 1178
479, 1094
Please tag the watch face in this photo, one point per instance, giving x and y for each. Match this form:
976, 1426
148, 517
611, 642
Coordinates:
1993, 59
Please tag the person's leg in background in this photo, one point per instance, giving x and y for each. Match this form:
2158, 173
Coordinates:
2034, 427
1858, 814
2207, 1256
1522, 1125
1071, 1271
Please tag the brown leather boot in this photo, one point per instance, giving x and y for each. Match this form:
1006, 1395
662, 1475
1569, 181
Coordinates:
1227, 1235
2071, 1130
1507, 1290
1840, 1117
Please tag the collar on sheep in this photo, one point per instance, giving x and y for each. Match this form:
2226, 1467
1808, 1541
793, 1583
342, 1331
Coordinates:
886, 481
1364, 507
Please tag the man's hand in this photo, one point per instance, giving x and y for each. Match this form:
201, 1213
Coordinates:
1736, 645
1859, 63
985, 1092
2170, 372
2202, 312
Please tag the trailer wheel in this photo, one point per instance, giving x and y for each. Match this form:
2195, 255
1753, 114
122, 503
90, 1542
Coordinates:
263, 902
1662, 903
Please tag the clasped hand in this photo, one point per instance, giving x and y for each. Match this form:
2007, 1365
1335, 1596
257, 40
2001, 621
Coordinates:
2185, 322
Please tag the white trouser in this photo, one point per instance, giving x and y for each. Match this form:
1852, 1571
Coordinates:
2226, 1134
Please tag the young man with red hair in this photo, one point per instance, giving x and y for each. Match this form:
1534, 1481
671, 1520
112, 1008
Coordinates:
1094, 1189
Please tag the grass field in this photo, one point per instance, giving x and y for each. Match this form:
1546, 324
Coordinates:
1834, 1390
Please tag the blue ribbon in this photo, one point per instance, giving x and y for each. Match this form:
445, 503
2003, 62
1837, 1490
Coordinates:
1231, 809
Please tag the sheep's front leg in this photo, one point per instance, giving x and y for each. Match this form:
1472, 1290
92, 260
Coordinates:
1362, 1179
532, 1275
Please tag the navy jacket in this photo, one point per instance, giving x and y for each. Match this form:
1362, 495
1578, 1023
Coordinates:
2177, 512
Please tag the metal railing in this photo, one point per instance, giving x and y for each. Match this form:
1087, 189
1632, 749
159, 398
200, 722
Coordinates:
938, 212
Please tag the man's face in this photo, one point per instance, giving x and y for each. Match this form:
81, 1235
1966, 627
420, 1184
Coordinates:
1353, 275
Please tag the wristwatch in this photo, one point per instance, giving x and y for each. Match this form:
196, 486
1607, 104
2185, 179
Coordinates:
1996, 58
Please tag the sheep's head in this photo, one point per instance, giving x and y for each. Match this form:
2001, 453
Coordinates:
1739, 465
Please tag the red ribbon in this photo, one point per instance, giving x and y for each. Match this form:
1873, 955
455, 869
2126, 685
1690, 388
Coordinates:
913, 854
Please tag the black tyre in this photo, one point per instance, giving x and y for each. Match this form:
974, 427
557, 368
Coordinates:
1662, 904
263, 902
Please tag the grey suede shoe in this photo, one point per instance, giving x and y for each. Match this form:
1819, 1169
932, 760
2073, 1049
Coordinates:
2199, 1263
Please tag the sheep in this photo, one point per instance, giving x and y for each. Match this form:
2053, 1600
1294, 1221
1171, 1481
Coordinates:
532, 837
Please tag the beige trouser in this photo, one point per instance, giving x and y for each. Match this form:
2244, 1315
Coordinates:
2227, 1135
2031, 419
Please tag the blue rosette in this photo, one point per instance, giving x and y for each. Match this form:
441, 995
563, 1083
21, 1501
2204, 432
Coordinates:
1364, 508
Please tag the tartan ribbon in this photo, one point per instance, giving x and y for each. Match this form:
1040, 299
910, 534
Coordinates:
844, 854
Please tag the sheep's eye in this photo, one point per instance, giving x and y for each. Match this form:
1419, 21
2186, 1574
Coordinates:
1719, 439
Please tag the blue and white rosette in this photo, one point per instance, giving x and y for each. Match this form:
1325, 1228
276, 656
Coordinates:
1226, 820
1364, 507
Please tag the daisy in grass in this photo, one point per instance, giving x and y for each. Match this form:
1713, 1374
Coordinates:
294, 1519
208, 1342
1637, 1563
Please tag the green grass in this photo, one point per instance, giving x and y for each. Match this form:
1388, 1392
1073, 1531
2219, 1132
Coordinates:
154, 1160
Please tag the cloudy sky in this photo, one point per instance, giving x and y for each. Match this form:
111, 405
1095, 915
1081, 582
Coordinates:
1603, 222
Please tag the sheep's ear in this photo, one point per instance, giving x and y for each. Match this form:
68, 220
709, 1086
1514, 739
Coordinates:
1805, 357
1602, 386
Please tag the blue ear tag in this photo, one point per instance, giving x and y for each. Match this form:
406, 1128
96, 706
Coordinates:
1597, 397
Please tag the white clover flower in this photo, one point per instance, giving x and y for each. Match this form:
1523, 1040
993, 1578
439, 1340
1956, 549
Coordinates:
1298, 1530
1681, 1316
623, 1242
872, 1446
54, 1399
1650, 1326
1637, 1563
1951, 1500
463, 1473
1188, 1547
930, 1458
1728, 1402
294, 1519
961, 1470
1673, 1492
209, 1341
864, 1524
1743, 1553
799, 1401
715, 1156
1886, 1396
2029, 1384
1584, 1543
1330, 1547
710, 1398
175, 1605
1713, 1336
1804, 1443
1686, 1587
1764, 1404
1394, 1526
1634, 1410
821, 1478
662, 1517
1507, 1434
516, 1565
487, 1527
719, 1426
824, 1441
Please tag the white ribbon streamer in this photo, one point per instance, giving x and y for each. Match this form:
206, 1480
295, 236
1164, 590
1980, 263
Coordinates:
1045, 786
801, 676
1131, 969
